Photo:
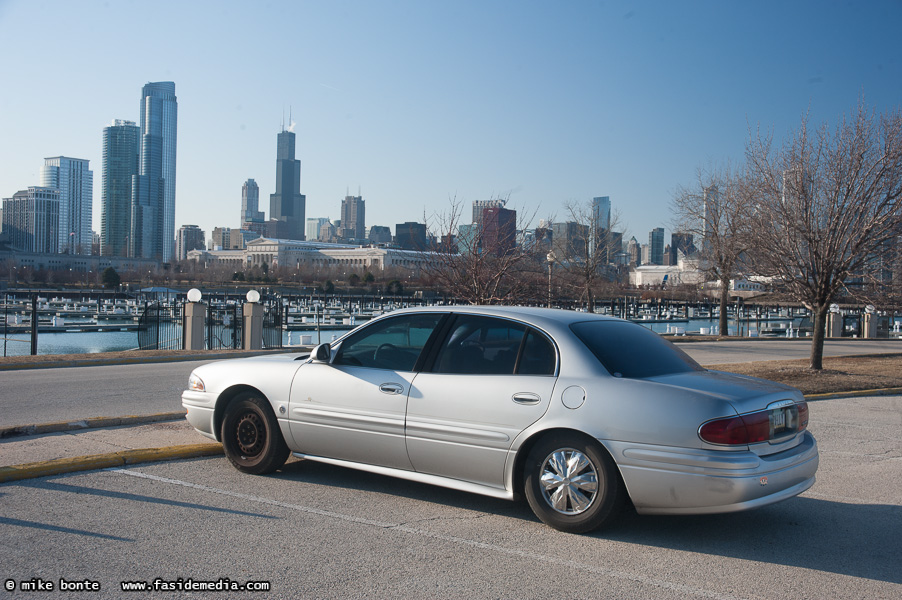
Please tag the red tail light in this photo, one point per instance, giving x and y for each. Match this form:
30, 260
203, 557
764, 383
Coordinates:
762, 426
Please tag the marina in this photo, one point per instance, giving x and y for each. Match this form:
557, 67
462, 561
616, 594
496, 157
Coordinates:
107, 323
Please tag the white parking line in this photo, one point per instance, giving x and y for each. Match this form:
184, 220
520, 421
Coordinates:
543, 558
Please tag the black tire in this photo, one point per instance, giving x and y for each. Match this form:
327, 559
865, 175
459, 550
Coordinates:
568, 501
251, 437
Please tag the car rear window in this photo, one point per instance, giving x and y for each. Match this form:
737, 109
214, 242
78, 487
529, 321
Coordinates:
629, 350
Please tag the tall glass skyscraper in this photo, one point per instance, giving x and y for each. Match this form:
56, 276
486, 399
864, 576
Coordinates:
153, 189
288, 204
75, 182
120, 164
250, 202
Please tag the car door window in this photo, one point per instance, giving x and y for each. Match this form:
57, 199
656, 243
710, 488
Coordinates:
394, 343
481, 346
538, 356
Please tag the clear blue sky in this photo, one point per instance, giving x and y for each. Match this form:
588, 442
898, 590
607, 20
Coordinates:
416, 102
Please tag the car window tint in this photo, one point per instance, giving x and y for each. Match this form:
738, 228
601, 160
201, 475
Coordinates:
480, 346
538, 356
394, 343
629, 350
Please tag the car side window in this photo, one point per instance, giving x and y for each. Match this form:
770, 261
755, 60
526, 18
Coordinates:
480, 346
538, 356
394, 343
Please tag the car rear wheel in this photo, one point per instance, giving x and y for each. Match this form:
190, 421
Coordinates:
251, 437
572, 483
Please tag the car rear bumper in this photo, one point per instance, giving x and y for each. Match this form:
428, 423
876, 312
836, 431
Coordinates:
678, 481
201, 407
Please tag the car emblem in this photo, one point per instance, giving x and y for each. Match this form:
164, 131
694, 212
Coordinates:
764, 481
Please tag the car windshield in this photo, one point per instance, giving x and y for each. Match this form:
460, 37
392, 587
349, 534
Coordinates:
630, 350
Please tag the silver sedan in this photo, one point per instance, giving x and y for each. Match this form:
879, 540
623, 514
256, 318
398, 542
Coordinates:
579, 413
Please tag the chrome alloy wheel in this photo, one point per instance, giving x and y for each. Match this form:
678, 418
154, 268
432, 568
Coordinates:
569, 481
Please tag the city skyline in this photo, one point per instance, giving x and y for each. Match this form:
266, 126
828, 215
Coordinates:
423, 103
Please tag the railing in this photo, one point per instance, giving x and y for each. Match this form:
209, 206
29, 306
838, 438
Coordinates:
224, 326
161, 326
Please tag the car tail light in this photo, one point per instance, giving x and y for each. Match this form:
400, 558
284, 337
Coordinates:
779, 420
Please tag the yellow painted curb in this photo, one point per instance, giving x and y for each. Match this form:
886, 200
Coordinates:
104, 461
855, 394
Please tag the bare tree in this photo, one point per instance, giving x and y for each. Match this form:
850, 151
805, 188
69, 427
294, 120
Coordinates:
828, 202
480, 268
587, 248
716, 210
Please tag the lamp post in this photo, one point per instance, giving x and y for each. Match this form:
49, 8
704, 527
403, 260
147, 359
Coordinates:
550, 257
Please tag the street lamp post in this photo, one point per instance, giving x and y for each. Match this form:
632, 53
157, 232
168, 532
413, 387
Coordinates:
550, 257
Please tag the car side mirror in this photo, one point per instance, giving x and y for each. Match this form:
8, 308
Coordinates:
322, 353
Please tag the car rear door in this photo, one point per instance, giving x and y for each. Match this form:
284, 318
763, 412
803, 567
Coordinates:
489, 380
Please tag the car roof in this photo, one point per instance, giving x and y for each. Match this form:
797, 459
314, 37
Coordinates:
540, 317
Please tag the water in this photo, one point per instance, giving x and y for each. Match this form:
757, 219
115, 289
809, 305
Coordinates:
91, 342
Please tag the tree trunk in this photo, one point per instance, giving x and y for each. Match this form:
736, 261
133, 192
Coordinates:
724, 302
817, 337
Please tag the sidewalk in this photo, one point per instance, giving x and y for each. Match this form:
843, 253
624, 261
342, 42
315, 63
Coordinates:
81, 449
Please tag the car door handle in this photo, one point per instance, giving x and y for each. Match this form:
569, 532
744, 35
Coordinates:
527, 398
391, 388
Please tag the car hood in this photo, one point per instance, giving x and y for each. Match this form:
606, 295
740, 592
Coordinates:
744, 393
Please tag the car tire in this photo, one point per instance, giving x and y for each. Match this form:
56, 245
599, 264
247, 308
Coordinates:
572, 483
251, 437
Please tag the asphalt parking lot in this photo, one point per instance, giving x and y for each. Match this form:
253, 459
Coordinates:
317, 531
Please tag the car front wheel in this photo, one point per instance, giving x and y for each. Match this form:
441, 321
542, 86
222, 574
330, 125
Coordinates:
251, 437
572, 483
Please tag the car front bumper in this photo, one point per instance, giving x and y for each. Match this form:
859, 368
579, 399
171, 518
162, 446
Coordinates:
669, 481
201, 407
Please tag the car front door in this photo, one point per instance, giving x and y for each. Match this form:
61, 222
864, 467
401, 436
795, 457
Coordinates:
490, 380
354, 407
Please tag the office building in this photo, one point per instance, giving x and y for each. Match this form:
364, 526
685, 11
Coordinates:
314, 224
680, 242
153, 189
75, 182
31, 220
379, 234
479, 207
250, 203
570, 239
656, 246
353, 215
499, 230
119, 165
288, 204
410, 235
189, 237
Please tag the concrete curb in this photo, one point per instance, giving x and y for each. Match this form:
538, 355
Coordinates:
854, 394
137, 359
7, 432
104, 461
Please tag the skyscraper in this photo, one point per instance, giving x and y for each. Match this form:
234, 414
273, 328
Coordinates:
499, 232
656, 246
250, 202
75, 182
189, 237
152, 232
601, 212
353, 215
31, 220
120, 164
288, 204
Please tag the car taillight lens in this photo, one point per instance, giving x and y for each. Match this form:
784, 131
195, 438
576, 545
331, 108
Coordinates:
761, 426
